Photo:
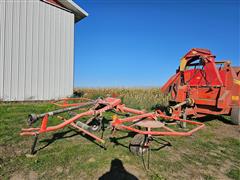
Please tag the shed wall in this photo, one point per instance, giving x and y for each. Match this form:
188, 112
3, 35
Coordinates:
36, 51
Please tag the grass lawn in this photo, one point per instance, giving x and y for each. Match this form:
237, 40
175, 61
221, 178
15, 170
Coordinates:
211, 153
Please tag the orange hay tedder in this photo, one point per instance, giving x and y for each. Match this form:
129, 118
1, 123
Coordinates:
144, 125
200, 87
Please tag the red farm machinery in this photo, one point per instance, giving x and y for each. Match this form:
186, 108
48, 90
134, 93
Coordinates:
144, 124
200, 87
203, 86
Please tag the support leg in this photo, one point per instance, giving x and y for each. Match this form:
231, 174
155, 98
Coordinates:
34, 144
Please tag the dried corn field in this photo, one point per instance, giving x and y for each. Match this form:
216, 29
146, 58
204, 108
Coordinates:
141, 98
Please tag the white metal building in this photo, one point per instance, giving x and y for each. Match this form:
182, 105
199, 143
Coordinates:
37, 48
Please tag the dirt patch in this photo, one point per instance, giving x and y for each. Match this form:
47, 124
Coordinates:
59, 169
32, 175
139, 173
226, 131
198, 172
187, 173
17, 176
7, 151
91, 160
176, 154
13, 150
218, 173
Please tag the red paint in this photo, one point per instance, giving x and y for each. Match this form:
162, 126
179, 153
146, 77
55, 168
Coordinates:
211, 87
55, 2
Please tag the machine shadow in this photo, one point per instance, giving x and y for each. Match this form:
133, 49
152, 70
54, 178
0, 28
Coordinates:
55, 137
92, 140
62, 135
162, 143
115, 140
209, 118
117, 172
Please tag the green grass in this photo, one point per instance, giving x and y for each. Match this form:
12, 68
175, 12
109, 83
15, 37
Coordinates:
234, 173
208, 154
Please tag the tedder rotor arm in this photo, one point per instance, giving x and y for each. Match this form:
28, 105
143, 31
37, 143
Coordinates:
74, 102
109, 103
148, 120
33, 131
138, 118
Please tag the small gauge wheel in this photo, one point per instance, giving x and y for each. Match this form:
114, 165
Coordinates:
137, 145
96, 124
235, 115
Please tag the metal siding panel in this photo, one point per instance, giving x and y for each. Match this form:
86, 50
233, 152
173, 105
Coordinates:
22, 50
61, 60
41, 50
35, 50
57, 53
29, 46
72, 53
68, 31
2, 39
47, 53
52, 53
8, 51
15, 52
64, 54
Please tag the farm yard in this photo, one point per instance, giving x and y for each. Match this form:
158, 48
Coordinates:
211, 153
189, 129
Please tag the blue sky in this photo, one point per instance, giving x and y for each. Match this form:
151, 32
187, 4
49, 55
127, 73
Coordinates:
128, 43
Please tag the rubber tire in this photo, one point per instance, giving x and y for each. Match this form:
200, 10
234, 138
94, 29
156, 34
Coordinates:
235, 115
96, 125
136, 144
